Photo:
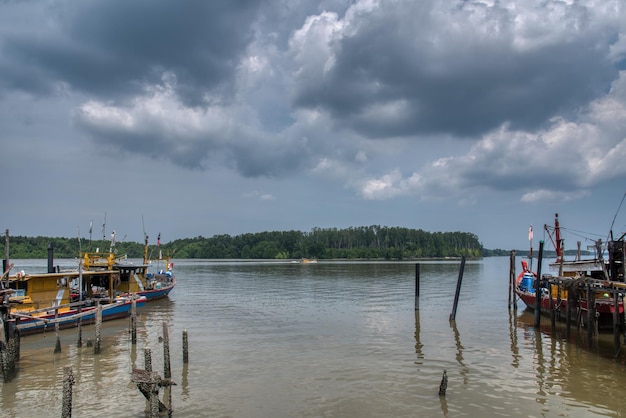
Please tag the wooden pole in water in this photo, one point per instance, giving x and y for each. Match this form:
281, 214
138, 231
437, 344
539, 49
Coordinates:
147, 353
57, 347
96, 346
417, 286
458, 290
590, 315
167, 372
185, 347
616, 336
133, 321
79, 343
552, 307
538, 287
68, 382
443, 386
568, 313
154, 396
10, 355
511, 274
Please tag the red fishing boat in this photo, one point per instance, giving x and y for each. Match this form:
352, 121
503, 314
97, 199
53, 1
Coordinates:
594, 283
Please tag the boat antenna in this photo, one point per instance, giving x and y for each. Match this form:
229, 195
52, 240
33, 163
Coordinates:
104, 236
615, 217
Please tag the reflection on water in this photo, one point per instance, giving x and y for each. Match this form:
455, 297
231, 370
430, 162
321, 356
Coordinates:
333, 339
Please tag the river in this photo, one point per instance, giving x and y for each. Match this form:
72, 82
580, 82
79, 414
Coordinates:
332, 339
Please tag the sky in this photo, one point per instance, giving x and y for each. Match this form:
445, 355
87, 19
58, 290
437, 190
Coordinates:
202, 118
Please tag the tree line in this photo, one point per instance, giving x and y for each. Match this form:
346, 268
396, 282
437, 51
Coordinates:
367, 242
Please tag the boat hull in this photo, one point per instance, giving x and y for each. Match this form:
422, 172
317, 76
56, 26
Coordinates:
604, 307
70, 318
154, 294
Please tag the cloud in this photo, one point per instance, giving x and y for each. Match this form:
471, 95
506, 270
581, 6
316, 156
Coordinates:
568, 155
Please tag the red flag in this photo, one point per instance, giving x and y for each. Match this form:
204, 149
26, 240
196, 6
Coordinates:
159, 239
530, 233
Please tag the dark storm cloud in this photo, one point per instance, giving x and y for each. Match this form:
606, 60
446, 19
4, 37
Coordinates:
400, 70
115, 48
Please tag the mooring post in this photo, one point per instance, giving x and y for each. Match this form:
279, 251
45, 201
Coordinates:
552, 307
96, 345
443, 386
167, 373
9, 357
616, 336
568, 313
154, 395
68, 382
79, 342
185, 347
57, 347
590, 314
147, 353
417, 286
458, 289
538, 287
511, 277
133, 321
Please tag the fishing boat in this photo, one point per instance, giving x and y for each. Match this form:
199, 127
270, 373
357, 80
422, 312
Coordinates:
152, 279
42, 300
593, 284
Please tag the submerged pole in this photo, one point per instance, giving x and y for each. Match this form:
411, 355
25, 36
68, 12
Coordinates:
443, 386
616, 336
133, 321
96, 346
57, 347
511, 276
417, 286
538, 287
167, 371
591, 314
68, 382
458, 290
185, 347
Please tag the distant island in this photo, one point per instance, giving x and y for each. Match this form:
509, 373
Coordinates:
366, 242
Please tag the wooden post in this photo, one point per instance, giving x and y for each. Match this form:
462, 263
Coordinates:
511, 277
552, 307
616, 336
97, 343
185, 347
417, 286
458, 289
9, 357
133, 321
443, 386
57, 347
538, 287
568, 313
68, 382
50, 258
590, 314
6, 257
147, 353
167, 373
154, 396
79, 343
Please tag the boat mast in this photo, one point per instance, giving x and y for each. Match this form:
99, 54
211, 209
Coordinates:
557, 242
145, 249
